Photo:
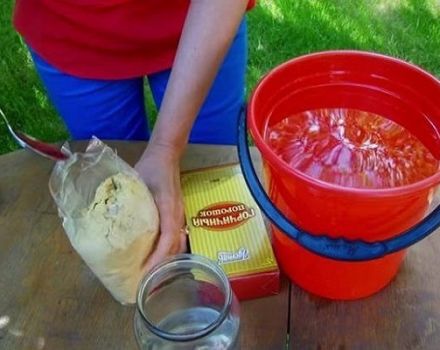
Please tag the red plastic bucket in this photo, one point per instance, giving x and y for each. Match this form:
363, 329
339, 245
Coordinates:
375, 83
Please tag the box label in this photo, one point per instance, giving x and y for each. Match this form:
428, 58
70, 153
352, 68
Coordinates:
223, 216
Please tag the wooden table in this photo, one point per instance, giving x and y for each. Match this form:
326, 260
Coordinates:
49, 299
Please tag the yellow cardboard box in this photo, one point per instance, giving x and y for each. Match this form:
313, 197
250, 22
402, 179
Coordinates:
226, 225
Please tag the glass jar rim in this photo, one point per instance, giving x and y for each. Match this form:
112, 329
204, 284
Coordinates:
200, 261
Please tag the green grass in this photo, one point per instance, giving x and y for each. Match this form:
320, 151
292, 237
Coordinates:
278, 31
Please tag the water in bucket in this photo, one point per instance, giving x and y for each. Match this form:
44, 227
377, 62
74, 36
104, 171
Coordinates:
350, 143
351, 148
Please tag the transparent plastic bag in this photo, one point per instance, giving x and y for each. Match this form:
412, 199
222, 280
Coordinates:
114, 235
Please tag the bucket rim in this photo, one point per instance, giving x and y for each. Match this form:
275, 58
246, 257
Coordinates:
272, 158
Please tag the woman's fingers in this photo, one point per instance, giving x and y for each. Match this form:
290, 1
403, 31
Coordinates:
171, 240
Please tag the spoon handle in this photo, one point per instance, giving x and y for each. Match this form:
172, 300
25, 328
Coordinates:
37, 146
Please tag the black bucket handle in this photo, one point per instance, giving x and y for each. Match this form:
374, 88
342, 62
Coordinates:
323, 245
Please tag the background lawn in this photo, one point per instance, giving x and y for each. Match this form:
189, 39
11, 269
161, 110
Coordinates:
278, 31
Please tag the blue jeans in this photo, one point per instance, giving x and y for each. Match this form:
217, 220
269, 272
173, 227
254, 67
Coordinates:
114, 109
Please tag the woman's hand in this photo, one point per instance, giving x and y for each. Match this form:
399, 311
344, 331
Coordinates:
159, 168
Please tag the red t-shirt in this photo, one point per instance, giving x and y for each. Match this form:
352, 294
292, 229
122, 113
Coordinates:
103, 39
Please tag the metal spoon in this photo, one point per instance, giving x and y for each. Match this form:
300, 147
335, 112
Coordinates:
42, 148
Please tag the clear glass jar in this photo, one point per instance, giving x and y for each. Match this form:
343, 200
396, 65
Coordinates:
186, 303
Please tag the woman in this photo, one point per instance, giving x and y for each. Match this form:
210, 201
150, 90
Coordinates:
92, 56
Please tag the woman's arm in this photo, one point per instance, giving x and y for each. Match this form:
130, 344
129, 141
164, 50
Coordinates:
208, 32
209, 29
